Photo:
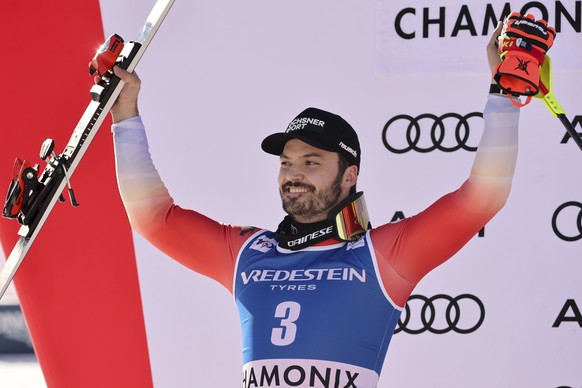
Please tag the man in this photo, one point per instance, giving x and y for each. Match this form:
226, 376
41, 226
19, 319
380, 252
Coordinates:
319, 298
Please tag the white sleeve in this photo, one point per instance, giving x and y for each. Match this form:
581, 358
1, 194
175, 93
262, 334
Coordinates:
488, 186
144, 195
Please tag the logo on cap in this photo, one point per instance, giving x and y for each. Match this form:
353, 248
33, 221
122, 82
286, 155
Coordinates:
301, 122
349, 149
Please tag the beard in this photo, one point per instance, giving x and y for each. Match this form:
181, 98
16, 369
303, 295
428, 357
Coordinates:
313, 205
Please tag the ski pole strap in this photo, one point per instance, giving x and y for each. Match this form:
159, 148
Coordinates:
495, 89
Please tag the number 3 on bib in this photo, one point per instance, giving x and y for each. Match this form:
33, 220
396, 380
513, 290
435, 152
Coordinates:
289, 313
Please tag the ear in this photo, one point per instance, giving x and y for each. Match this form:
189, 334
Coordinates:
350, 177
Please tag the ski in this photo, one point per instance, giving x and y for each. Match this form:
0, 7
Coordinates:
31, 197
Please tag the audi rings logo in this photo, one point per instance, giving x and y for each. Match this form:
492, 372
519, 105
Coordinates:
441, 314
570, 230
427, 132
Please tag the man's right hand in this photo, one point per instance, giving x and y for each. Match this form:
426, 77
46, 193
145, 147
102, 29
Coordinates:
126, 104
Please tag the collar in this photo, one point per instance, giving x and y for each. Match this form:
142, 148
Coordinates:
294, 235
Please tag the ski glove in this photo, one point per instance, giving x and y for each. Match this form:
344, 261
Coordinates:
522, 50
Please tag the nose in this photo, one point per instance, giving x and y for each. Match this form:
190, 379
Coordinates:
293, 173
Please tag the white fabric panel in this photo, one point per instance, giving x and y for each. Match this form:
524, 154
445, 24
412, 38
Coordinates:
222, 75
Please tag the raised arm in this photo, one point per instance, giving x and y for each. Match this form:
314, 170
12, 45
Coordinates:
409, 249
196, 241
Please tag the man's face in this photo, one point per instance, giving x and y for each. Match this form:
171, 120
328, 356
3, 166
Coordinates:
309, 181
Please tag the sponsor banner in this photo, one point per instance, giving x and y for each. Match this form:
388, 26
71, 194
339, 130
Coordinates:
494, 302
445, 34
287, 373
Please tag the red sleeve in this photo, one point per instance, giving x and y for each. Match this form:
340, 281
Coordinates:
200, 243
409, 249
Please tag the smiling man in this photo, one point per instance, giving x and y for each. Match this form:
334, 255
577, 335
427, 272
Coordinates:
302, 167
318, 298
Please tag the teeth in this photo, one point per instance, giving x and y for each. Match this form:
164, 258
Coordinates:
294, 190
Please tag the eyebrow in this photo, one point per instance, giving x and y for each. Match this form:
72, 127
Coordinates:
312, 154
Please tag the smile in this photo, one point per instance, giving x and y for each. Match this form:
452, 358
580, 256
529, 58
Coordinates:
297, 190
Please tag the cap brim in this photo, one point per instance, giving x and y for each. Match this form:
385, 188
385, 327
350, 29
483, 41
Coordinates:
275, 143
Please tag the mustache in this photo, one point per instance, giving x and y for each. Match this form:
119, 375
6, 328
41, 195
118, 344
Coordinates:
287, 185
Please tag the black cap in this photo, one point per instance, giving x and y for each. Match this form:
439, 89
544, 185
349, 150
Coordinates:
320, 129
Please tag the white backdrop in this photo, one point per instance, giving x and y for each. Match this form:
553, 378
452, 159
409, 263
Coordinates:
221, 75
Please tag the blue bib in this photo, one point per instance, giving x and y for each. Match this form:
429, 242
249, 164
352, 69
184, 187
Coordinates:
317, 316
